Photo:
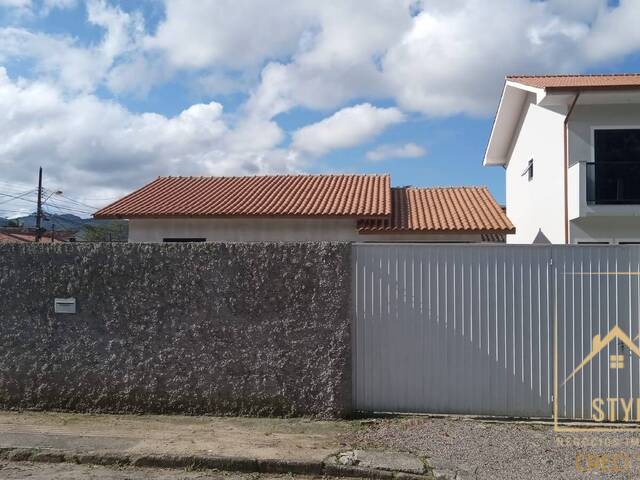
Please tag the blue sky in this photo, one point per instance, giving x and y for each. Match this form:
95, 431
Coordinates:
106, 95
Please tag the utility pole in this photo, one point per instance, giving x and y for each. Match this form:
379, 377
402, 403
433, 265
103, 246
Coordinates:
53, 233
39, 211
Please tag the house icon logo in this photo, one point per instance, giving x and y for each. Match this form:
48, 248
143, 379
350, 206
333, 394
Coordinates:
598, 344
611, 409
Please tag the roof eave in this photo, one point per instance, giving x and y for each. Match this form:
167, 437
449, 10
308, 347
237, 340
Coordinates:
506, 120
407, 231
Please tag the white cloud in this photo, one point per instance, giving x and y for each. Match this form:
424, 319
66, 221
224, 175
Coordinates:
584, 10
454, 57
217, 83
340, 58
48, 5
72, 66
384, 152
15, 3
94, 148
346, 128
123, 30
439, 57
449, 58
137, 75
228, 33
615, 32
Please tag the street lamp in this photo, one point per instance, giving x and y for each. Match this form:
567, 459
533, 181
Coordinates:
57, 192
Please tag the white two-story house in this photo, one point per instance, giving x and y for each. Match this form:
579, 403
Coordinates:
570, 146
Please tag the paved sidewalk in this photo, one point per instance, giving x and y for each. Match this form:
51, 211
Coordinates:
264, 445
260, 438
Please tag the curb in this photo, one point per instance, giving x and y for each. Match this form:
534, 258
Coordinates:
234, 464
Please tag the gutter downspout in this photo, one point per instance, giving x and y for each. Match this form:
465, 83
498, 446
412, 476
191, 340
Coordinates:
566, 167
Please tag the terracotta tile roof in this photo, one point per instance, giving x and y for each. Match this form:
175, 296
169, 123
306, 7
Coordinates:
452, 209
630, 80
276, 195
494, 237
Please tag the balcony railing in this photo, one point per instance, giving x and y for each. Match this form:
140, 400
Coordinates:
613, 183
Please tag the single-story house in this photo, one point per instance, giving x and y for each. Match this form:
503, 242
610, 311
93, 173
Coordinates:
361, 208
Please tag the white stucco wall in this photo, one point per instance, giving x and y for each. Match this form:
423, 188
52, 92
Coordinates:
536, 205
585, 117
242, 229
598, 222
272, 229
611, 229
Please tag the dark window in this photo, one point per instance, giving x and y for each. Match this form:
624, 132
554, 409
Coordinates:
617, 145
593, 243
614, 176
183, 240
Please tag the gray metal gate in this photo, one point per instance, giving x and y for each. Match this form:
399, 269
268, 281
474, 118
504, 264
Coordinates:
471, 328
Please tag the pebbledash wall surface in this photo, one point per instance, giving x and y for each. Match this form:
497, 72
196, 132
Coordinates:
250, 329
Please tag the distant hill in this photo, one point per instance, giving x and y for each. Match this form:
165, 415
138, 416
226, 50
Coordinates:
88, 229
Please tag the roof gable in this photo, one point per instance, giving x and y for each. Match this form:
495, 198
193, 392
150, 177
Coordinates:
549, 90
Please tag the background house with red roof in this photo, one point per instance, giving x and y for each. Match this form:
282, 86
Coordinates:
306, 208
26, 235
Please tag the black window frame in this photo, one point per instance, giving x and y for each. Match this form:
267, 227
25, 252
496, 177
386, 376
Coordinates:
613, 174
184, 240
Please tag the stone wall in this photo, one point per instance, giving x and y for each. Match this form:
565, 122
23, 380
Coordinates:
248, 329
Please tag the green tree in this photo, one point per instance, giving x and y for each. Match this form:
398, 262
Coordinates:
106, 232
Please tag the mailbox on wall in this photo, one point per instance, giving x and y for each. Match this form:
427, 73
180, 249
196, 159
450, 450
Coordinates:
65, 305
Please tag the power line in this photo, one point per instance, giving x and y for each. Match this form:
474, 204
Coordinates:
12, 196
71, 209
17, 197
16, 211
68, 203
79, 203
12, 187
69, 206
103, 199
67, 209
